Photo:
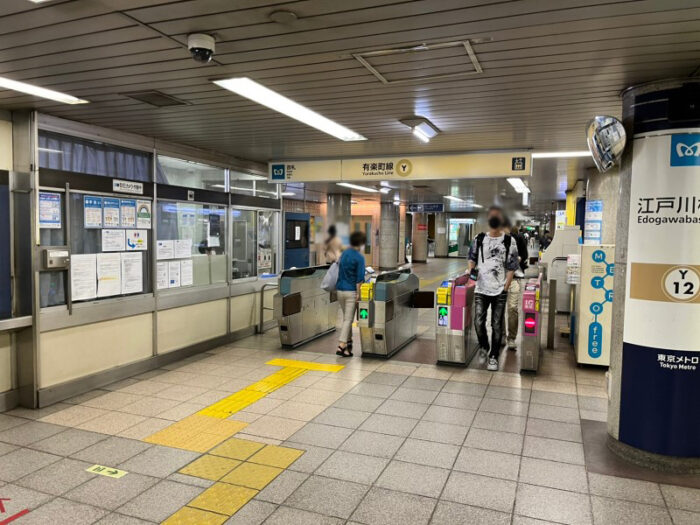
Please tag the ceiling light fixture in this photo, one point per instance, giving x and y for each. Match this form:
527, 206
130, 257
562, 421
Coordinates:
250, 89
560, 154
384, 190
357, 187
37, 91
287, 193
452, 198
421, 127
518, 185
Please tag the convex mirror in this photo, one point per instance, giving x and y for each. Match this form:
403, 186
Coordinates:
606, 141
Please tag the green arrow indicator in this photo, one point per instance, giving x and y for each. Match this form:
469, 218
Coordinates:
442, 311
363, 313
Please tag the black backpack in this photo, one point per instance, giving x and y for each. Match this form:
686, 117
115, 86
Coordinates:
480, 246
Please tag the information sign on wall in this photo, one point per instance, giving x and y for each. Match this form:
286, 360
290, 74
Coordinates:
593, 222
49, 210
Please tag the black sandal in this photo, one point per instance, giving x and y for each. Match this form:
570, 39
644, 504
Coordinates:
341, 351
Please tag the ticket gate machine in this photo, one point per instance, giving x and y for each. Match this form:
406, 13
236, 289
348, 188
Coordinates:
386, 312
303, 310
532, 320
454, 314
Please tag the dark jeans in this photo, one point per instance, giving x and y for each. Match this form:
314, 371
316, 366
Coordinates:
497, 303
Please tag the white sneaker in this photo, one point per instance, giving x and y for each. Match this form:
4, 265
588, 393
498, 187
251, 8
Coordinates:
482, 355
493, 364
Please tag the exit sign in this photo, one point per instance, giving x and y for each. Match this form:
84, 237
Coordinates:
364, 313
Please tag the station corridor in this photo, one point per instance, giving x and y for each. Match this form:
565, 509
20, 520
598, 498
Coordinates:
336, 440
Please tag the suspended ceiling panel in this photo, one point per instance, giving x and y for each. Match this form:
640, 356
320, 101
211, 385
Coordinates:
547, 68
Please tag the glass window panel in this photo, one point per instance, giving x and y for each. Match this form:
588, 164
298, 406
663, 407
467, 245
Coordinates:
266, 189
52, 285
190, 174
89, 240
243, 252
194, 237
242, 183
5, 282
268, 234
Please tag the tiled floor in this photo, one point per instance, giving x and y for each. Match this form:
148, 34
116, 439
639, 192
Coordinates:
386, 442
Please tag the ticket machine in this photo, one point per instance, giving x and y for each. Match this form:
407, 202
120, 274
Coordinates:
386, 312
532, 320
303, 310
454, 315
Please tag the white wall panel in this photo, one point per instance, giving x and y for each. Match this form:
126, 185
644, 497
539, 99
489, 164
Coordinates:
187, 325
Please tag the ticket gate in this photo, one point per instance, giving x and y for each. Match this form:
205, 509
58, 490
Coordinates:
303, 310
532, 320
386, 314
455, 337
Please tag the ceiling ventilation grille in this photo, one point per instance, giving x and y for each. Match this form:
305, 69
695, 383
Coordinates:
155, 98
421, 63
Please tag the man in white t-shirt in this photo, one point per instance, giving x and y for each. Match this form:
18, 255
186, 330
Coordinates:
496, 257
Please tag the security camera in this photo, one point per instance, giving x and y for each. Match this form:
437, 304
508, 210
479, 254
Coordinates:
201, 47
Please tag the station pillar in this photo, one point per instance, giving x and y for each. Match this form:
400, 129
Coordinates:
655, 353
419, 238
389, 237
338, 212
441, 235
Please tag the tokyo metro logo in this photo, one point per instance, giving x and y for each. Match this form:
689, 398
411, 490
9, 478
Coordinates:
685, 149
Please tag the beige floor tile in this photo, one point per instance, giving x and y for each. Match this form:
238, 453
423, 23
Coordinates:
295, 410
145, 428
432, 372
264, 405
468, 375
181, 392
553, 386
112, 423
511, 381
181, 411
73, 416
317, 396
112, 400
592, 391
274, 427
150, 406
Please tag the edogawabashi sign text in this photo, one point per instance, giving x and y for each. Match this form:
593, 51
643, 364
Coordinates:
661, 340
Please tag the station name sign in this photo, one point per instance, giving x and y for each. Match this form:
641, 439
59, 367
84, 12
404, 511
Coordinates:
426, 167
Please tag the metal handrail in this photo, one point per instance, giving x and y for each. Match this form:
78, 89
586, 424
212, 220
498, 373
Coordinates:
261, 321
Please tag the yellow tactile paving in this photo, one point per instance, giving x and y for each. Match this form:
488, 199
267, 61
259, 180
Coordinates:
306, 365
197, 432
190, 516
274, 456
223, 498
236, 448
210, 467
252, 475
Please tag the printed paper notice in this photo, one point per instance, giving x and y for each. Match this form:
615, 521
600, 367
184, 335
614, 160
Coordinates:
132, 272
164, 250
50, 210
182, 248
136, 240
110, 212
83, 276
128, 213
108, 274
162, 275
173, 274
186, 272
92, 211
143, 215
113, 241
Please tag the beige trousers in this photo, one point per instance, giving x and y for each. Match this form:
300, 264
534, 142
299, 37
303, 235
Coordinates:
347, 302
512, 307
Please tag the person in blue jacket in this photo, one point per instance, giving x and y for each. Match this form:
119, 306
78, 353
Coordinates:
351, 274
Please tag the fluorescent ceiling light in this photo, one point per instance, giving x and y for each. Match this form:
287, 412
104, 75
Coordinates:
421, 136
518, 185
426, 129
39, 91
49, 150
357, 187
287, 193
560, 154
384, 190
250, 89
456, 199
353, 202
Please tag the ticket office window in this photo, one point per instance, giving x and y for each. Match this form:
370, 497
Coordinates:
110, 245
268, 241
52, 232
243, 239
191, 245
189, 174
